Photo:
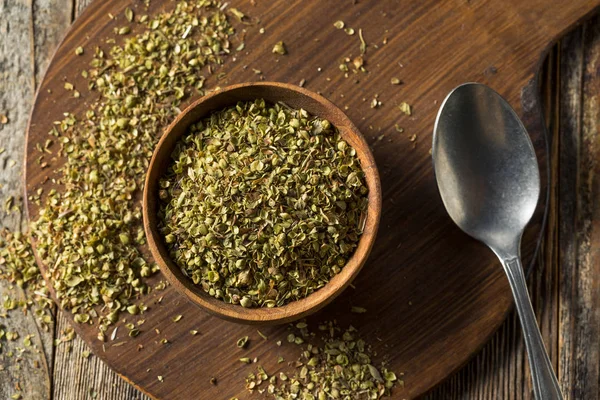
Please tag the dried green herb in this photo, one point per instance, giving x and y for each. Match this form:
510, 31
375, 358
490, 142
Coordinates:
363, 43
8, 203
88, 229
237, 13
395, 81
358, 62
375, 103
339, 368
262, 335
405, 108
242, 342
262, 204
279, 48
129, 14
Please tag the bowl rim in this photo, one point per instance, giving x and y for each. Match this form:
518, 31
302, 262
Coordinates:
298, 308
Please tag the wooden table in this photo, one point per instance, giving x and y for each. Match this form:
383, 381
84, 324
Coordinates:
565, 286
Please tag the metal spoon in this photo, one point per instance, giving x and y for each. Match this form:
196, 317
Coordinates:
488, 177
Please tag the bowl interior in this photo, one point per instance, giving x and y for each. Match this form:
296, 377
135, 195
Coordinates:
295, 97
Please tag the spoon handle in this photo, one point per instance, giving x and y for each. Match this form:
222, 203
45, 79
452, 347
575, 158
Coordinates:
545, 384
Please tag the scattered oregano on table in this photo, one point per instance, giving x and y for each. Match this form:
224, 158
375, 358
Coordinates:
18, 267
262, 204
88, 229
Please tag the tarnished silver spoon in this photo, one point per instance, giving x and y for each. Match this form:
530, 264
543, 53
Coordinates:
488, 177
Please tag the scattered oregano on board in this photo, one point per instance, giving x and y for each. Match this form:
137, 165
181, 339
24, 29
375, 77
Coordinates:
88, 230
332, 365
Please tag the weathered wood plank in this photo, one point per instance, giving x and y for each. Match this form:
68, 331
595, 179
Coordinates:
51, 19
570, 87
28, 36
579, 327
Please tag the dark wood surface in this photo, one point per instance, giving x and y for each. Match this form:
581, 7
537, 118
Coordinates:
499, 372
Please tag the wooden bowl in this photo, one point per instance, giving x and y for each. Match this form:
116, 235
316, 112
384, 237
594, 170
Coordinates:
273, 92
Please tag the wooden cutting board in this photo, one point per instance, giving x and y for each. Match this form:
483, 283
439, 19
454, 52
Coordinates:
433, 295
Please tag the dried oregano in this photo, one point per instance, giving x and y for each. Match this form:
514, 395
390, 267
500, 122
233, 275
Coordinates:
18, 267
87, 230
339, 367
263, 204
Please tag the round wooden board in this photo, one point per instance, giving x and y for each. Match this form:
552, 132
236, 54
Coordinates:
433, 295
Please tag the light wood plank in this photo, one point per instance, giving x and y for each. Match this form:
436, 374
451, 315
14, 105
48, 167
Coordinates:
28, 36
51, 19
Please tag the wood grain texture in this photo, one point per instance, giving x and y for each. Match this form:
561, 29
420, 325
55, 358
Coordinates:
441, 324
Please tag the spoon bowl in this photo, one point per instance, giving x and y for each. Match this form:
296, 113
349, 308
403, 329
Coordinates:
486, 168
